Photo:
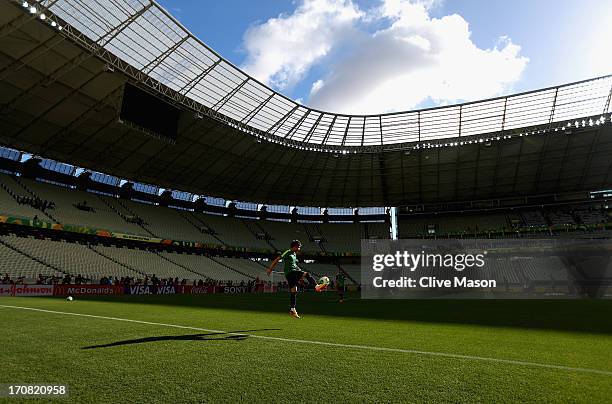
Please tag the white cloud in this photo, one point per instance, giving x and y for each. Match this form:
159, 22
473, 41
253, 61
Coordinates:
598, 58
281, 50
411, 59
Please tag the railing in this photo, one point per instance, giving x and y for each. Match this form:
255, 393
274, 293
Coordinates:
142, 39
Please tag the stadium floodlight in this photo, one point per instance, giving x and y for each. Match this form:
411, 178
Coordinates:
32, 10
25, 4
53, 24
43, 16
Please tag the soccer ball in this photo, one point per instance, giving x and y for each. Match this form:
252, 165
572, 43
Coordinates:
69, 298
324, 280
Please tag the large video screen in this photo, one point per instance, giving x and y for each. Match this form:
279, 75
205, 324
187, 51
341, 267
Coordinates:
150, 112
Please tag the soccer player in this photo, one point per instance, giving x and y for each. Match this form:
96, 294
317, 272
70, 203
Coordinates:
294, 274
340, 278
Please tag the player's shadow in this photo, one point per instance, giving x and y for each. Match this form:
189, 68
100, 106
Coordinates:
212, 336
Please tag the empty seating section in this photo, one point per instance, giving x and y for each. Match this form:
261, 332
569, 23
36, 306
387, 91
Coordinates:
231, 231
341, 236
591, 216
508, 223
95, 262
330, 270
379, 231
202, 227
18, 265
8, 204
560, 218
205, 266
544, 269
413, 226
65, 211
452, 224
146, 262
283, 232
165, 222
118, 207
533, 219
33, 256
71, 258
246, 266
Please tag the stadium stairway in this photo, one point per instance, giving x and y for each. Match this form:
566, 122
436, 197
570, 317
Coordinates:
121, 215
31, 193
129, 267
267, 236
307, 230
140, 224
230, 268
194, 220
38, 260
191, 222
202, 276
11, 206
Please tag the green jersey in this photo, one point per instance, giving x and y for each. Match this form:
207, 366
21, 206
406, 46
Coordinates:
340, 280
290, 261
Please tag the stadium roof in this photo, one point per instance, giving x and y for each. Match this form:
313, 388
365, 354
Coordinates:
143, 34
62, 76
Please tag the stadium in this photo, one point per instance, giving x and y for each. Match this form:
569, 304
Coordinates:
153, 182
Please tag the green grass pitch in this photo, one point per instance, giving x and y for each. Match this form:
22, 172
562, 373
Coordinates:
108, 360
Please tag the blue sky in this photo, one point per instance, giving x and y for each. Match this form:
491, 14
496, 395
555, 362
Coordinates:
368, 56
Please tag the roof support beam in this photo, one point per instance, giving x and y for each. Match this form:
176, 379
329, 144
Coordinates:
313, 127
219, 104
104, 39
155, 62
281, 121
189, 86
544, 148
297, 124
607, 106
329, 129
363, 131
256, 110
346, 130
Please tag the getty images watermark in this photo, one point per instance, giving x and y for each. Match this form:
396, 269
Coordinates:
486, 269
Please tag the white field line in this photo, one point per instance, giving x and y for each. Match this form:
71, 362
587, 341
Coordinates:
333, 344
